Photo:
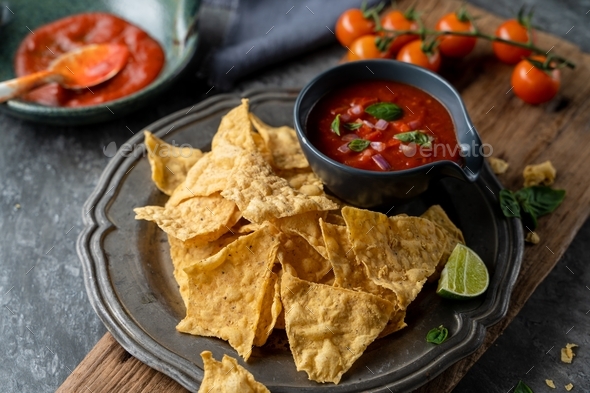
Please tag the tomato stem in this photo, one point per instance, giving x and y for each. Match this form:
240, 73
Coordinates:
477, 34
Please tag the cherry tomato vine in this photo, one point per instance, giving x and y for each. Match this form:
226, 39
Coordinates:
402, 35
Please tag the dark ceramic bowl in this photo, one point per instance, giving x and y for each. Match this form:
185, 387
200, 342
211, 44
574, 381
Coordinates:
170, 22
365, 188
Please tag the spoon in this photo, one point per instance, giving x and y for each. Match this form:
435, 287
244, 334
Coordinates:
81, 68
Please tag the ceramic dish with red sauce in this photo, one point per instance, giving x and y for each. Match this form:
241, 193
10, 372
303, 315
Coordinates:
377, 132
161, 37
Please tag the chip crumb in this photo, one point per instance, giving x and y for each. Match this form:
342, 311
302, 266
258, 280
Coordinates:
540, 174
17, 206
550, 383
569, 387
567, 353
499, 166
532, 237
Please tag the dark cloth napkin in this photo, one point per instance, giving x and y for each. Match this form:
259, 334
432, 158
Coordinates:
259, 33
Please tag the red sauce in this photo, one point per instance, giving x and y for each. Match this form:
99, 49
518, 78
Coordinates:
379, 140
38, 50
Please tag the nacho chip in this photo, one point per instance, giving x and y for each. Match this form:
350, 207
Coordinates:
304, 181
335, 217
270, 310
243, 227
350, 274
540, 174
398, 253
185, 254
227, 376
227, 290
169, 163
262, 196
235, 130
306, 225
328, 327
208, 176
567, 353
437, 215
199, 218
299, 258
499, 166
283, 143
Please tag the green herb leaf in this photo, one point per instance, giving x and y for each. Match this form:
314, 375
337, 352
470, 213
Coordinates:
521, 387
541, 199
418, 137
336, 125
359, 145
530, 203
509, 204
437, 335
353, 126
387, 111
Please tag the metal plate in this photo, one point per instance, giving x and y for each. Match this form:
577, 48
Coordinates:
128, 271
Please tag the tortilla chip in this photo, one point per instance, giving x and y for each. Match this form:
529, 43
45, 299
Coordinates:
299, 258
169, 163
304, 181
235, 129
283, 143
328, 327
398, 253
306, 225
262, 196
335, 217
499, 166
270, 310
208, 176
350, 274
567, 353
227, 290
437, 215
262, 148
185, 254
227, 376
200, 218
244, 227
540, 174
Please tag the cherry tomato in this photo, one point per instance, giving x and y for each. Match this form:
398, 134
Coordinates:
511, 30
533, 85
455, 46
352, 25
412, 53
397, 20
364, 48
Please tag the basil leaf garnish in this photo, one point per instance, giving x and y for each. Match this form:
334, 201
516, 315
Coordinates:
359, 145
530, 203
353, 126
418, 137
509, 204
437, 335
541, 200
521, 387
387, 111
336, 125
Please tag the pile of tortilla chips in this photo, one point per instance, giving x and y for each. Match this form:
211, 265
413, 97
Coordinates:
257, 245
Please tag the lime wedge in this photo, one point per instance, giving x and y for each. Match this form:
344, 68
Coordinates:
465, 276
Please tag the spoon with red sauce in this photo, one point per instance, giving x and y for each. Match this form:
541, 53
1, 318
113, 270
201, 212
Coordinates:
81, 68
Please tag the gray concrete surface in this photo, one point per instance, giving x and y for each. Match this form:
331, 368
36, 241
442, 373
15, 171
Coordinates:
47, 325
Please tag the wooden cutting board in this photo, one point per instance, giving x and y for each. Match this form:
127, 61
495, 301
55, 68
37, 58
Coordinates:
521, 134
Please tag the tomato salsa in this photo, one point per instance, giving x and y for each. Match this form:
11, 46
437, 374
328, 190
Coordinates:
43, 45
382, 125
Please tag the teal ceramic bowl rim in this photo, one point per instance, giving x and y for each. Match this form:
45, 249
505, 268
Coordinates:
103, 112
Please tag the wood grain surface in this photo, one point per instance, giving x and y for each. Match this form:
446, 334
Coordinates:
519, 133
